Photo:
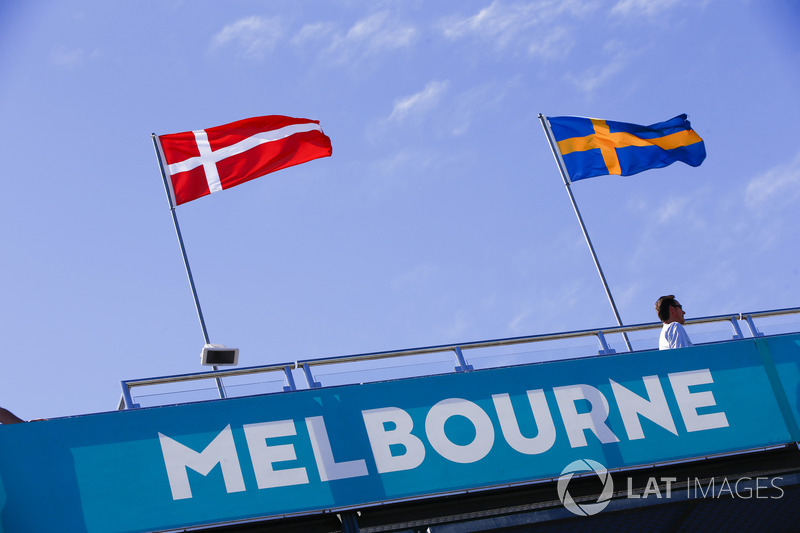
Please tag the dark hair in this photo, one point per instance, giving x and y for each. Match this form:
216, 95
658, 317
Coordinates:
662, 306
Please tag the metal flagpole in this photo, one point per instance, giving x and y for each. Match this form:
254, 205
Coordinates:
218, 381
565, 177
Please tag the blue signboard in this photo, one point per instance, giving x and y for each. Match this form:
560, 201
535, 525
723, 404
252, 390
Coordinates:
311, 450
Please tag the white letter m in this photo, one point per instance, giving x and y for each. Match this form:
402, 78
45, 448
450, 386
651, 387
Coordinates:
178, 458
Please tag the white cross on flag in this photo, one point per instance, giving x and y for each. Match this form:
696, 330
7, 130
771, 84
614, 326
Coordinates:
200, 162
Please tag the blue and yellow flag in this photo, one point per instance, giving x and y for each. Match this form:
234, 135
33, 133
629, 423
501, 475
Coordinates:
591, 147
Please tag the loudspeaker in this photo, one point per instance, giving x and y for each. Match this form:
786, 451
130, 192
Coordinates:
219, 355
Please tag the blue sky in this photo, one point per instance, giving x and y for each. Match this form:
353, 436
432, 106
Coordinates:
440, 217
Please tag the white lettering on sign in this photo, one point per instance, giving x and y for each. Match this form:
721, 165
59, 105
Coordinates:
178, 458
632, 405
382, 438
264, 455
546, 436
593, 420
329, 469
397, 445
690, 402
476, 450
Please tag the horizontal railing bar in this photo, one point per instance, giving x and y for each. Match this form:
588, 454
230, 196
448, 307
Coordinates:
447, 348
776, 312
703, 320
529, 339
207, 375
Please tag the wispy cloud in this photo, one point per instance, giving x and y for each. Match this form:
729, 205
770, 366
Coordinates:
675, 207
256, 36
716, 222
779, 185
498, 22
420, 102
380, 32
647, 8
528, 26
314, 32
253, 35
485, 98
521, 322
554, 44
371, 35
597, 76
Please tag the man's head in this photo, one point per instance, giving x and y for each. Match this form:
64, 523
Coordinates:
669, 310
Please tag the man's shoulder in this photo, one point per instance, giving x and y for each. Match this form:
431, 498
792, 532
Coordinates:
674, 327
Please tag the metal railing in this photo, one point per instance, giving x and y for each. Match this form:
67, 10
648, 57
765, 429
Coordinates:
457, 350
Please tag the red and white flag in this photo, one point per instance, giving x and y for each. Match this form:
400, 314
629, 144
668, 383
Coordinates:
200, 162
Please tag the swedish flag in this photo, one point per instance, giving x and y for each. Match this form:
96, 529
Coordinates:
592, 147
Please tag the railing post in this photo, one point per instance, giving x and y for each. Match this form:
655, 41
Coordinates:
462, 363
753, 329
309, 378
605, 349
737, 331
290, 384
126, 394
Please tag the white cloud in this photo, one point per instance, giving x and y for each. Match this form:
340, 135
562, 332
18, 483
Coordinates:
595, 77
647, 8
419, 102
254, 35
519, 24
313, 32
673, 208
497, 21
485, 98
554, 44
385, 175
521, 322
779, 185
371, 35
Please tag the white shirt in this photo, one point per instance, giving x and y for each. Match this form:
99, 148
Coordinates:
673, 336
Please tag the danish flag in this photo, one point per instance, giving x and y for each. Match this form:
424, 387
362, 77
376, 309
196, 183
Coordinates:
200, 162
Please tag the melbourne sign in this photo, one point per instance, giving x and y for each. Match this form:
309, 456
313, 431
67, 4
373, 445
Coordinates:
327, 448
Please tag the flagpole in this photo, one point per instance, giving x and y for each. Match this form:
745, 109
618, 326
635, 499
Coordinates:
565, 177
220, 387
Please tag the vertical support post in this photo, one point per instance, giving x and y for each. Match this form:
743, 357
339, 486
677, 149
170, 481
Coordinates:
126, 395
290, 384
565, 177
310, 378
462, 363
753, 329
604, 347
737, 331
157, 147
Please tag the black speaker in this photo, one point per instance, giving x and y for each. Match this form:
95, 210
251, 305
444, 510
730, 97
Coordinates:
219, 355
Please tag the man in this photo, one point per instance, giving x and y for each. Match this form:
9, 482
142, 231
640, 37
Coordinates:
7, 417
670, 312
